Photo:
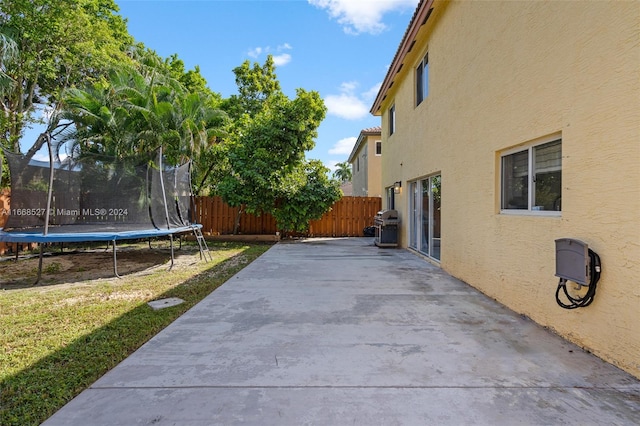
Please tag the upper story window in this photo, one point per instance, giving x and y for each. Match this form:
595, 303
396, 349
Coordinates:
422, 80
378, 147
392, 119
531, 178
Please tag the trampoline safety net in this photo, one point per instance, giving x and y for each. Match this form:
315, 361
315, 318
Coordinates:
91, 194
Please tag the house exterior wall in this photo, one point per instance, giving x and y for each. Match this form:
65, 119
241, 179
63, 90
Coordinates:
374, 167
504, 74
360, 173
366, 180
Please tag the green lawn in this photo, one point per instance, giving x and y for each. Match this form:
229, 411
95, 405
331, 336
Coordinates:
58, 339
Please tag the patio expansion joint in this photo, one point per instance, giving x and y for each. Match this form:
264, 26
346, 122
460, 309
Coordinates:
613, 388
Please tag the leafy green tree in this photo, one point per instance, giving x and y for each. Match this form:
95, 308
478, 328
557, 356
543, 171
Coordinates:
343, 172
256, 84
61, 44
267, 170
310, 194
270, 146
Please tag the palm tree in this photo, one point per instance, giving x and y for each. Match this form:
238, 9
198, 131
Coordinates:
343, 172
8, 53
134, 114
197, 125
129, 115
102, 122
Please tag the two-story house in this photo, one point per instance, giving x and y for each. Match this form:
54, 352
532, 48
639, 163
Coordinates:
510, 125
365, 160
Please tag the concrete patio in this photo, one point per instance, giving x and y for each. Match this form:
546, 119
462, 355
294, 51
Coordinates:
340, 332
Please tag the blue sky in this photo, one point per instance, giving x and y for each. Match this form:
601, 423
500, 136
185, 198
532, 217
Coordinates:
339, 48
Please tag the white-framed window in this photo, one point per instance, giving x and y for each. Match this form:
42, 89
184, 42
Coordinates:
392, 119
378, 147
531, 178
422, 80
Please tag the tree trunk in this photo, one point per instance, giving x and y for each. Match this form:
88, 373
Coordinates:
236, 224
36, 146
204, 178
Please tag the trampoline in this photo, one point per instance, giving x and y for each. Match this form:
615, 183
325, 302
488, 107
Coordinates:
97, 198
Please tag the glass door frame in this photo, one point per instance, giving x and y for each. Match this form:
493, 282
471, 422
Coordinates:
424, 226
414, 218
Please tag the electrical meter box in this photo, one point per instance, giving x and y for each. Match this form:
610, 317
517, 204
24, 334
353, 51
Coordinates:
572, 260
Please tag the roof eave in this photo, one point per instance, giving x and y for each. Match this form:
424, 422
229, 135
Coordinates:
420, 16
356, 148
374, 131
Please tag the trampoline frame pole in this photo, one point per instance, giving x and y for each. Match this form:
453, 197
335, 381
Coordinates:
46, 135
164, 193
171, 244
166, 208
115, 260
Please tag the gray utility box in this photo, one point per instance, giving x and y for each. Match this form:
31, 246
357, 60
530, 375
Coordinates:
386, 225
572, 261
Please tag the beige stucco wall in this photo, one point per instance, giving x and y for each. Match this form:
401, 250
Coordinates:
375, 165
507, 73
366, 181
360, 172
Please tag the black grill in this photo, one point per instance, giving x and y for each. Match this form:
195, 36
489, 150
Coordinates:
386, 224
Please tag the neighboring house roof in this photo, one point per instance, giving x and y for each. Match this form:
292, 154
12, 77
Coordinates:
347, 189
371, 131
420, 16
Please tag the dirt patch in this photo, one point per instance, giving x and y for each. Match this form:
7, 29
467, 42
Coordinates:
80, 266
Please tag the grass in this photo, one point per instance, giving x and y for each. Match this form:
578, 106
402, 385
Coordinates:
57, 340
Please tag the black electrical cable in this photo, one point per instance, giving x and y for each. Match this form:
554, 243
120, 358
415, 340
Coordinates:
581, 302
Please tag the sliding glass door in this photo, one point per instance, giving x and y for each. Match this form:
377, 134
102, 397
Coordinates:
424, 209
434, 214
414, 212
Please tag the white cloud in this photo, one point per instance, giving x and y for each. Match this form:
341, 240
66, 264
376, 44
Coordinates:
348, 86
282, 59
348, 104
279, 59
371, 94
343, 146
362, 16
255, 52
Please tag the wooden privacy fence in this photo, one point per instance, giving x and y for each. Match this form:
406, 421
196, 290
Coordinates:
4, 212
5, 198
347, 218
218, 218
